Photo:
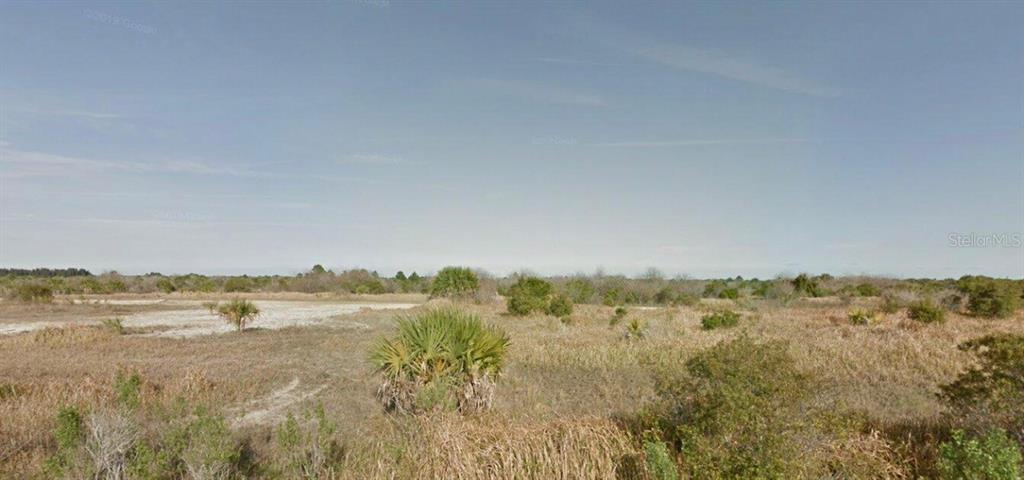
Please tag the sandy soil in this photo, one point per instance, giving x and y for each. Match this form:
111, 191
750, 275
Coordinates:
188, 318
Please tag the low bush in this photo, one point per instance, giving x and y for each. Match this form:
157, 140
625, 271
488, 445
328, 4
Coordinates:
991, 457
528, 295
890, 304
734, 410
720, 319
990, 395
926, 311
807, 286
115, 325
660, 464
993, 299
729, 293
867, 290
559, 306
438, 358
33, 293
620, 313
861, 317
308, 450
454, 282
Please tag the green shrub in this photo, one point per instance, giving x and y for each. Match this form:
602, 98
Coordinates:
729, 293
687, 299
660, 464
867, 290
459, 282
166, 285
610, 298
927, 311
805, 285
436, 350
720, 319
69, 433
991, 393
993, 299
620, 313
208, 449
238, 284
735, 411
126, 387
308, 450
560, 306
529, 294
238, 312
992, 457
861, 317
33, 293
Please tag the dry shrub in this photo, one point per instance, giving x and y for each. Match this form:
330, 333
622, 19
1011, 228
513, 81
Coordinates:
72, 334
866, 455
110, 437
490, 447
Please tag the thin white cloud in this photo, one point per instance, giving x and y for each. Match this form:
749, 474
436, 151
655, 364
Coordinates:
723, 65
540, 93
572, 61
373, 159
698, 143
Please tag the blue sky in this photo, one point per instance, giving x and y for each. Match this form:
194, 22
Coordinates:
706, 139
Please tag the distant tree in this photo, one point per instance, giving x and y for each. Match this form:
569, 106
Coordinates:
400, 276
318, 269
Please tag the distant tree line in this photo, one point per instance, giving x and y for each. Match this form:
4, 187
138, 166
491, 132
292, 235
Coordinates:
45, 272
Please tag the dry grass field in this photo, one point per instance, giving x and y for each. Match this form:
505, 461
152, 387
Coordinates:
562, 408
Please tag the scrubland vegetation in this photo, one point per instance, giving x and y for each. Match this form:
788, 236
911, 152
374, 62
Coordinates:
528, 377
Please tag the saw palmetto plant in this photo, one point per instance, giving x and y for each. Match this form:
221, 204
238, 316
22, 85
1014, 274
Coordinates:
444, 350
238, 312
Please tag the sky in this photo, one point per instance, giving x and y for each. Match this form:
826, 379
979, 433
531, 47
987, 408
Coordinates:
702, 138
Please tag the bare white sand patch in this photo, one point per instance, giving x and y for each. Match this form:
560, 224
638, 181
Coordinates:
274, 315
117, 301
194, 320
273, 407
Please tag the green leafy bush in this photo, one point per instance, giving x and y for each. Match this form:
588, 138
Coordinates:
457, 282
890, 304
720, 319
166, 285
991, 457
620, 313
926, 311
69, 433
805, 285
735, 410
560, 306
445, 352
729, 293
529, 294
660, 464
993, 299
991, 393
867, 290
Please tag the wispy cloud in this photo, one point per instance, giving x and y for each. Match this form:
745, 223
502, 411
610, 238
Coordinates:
707, 142
573, 61
373, 159
540, 92
733, 68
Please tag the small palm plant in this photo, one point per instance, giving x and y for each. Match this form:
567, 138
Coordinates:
238, 312
443, 357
